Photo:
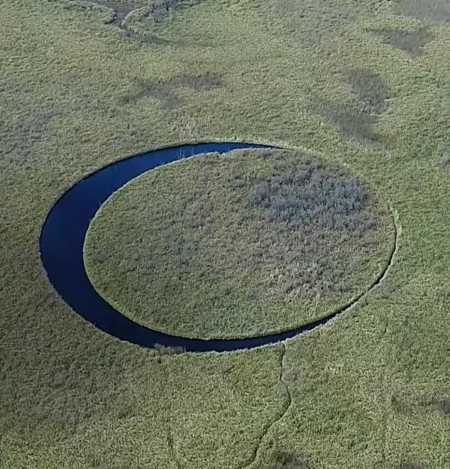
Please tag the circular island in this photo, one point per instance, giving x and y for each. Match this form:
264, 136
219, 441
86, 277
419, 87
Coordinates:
243, 244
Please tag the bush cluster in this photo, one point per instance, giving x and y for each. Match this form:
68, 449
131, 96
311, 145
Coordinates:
305, 194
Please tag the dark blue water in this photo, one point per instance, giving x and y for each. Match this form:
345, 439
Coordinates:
63, 236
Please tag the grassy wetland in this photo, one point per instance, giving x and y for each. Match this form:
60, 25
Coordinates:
363, 85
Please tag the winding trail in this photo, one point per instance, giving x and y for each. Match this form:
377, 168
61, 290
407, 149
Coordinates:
62, 241
287, 406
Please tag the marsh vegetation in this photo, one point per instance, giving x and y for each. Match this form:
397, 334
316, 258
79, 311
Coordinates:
371, 389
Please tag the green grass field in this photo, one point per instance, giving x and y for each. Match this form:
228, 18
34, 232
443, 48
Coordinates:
363, 84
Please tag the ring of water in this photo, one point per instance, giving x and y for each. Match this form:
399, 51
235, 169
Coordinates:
62, 240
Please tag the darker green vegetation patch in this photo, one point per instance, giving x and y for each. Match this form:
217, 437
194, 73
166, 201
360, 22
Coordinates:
445, 163
165, 92
411, 465
370, 89
407, 406
351, 123
244, 244
288, 460
412, 42
371, 100
443, 405
428, 11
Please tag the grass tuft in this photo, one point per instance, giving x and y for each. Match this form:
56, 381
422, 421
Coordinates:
445, 163
287, 460
411, 465
65, 379
167, 350
442, 405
